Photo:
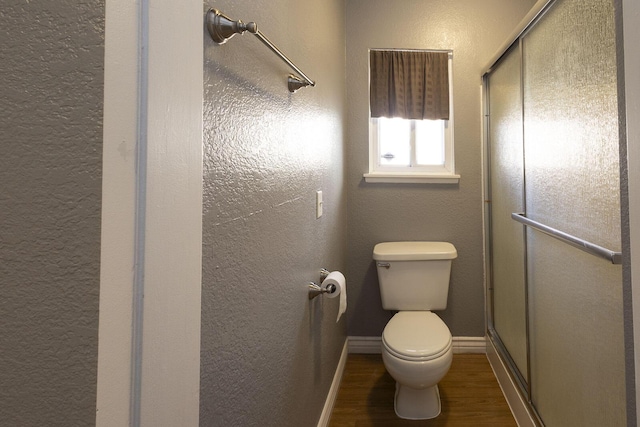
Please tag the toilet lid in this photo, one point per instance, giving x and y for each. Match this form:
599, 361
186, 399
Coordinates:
416, 335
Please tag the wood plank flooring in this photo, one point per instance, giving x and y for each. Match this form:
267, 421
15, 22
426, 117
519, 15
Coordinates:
470, 396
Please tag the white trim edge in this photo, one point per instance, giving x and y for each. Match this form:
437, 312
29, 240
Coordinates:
414, 178
461, 345
335, 387
117, 245
509, 388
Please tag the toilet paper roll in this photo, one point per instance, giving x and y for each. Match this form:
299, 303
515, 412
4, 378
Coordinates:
337, 279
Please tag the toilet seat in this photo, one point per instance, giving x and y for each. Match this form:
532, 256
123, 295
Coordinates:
416, 336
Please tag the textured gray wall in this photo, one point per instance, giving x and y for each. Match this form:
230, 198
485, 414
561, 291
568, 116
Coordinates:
268, 353
51, 68
392, 212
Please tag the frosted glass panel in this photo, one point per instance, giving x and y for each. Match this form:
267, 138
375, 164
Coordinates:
576, 332
571, 133
572, 184
506, 175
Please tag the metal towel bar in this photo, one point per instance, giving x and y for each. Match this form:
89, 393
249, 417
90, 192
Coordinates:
593, 249
221, 28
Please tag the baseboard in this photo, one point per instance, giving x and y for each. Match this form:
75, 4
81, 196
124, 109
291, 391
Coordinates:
365, 345
519, 408
466, 345
335, 387
372, 345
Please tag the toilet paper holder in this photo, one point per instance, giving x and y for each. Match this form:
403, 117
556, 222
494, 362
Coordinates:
315, 290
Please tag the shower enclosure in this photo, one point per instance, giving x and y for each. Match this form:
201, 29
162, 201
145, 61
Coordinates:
553, 215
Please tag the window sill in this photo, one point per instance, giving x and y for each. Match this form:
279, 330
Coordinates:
411, 178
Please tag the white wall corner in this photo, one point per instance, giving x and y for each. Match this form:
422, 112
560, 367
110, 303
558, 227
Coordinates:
117, 253
152, 154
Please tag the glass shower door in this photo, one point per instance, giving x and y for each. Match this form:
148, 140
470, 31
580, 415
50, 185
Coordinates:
572, 184
508, 289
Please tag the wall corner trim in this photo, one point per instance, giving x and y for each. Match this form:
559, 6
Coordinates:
372, 345
149, 338
329, 403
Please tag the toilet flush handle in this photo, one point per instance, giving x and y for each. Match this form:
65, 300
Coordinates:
383, 264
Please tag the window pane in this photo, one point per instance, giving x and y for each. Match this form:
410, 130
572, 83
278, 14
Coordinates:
429, 142
394, 141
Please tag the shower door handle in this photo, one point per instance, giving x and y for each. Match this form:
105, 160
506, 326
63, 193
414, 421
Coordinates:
612, 256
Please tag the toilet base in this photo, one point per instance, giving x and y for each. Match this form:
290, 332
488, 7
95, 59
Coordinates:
414, 404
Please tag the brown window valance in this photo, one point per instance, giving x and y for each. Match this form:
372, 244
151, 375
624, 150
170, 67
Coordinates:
409, 84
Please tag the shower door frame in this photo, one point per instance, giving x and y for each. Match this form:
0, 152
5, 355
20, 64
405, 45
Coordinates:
522, 383
631, 11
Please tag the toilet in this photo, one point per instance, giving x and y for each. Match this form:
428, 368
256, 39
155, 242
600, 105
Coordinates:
416, 344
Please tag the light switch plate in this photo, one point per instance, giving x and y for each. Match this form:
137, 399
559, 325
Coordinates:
318, 204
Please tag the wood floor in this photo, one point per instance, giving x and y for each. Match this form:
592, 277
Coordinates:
470, 396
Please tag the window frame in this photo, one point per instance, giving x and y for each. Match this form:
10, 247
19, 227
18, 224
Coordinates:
439, 174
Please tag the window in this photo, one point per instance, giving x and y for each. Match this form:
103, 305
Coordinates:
412, 150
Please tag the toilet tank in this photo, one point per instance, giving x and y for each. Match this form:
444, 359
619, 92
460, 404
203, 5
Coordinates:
414, 275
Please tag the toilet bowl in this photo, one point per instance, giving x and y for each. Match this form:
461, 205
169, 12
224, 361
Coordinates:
417, 353
416, 344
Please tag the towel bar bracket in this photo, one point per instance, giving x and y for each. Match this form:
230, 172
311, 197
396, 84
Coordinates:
222, 28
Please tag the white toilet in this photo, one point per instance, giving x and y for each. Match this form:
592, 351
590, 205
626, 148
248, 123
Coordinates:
416, 344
